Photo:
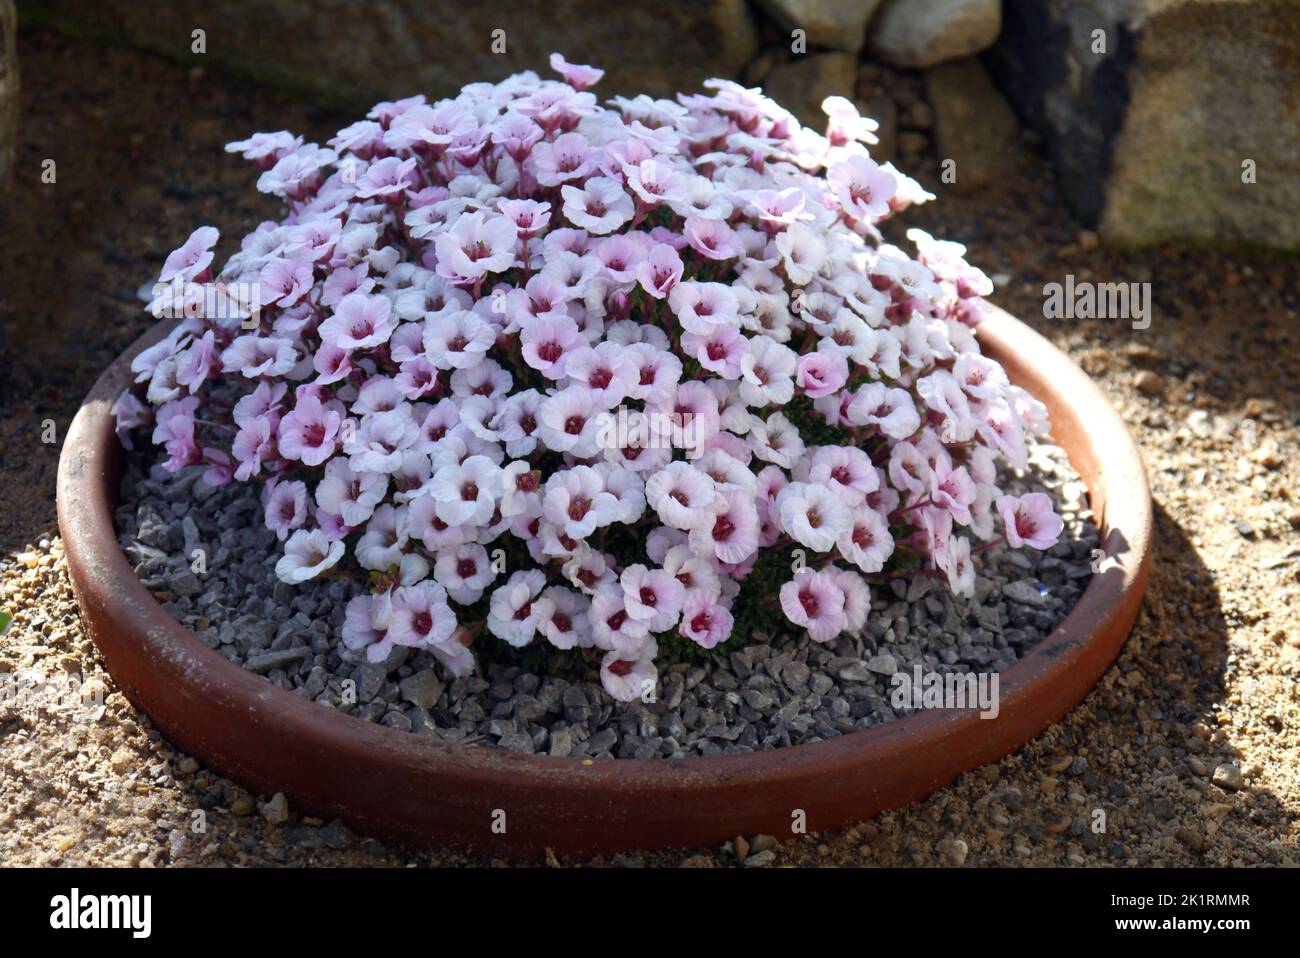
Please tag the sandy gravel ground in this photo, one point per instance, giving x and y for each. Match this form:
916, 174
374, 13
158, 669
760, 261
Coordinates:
1188, 745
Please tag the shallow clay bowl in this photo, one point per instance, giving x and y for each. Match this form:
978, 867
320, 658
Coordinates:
418, 791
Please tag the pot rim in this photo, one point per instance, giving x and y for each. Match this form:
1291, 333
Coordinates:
421, 791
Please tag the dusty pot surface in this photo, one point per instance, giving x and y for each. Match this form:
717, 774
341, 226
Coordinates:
420, 791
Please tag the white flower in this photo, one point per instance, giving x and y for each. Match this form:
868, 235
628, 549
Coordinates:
680, 494
512, 615
813, 515
467, 492
306, 555
626, 678
803, 253
599, 207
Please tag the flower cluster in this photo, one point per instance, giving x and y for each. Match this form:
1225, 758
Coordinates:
568, 373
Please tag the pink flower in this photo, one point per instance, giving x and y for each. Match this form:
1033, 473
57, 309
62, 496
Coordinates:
297, 174
516, 134
1030, 520
476, 245
659, 271
845, 470
862, 188
254, 356
681, 494
626, 678
128, 414
654, 181
568, 157
284, 281
466, 492
266, 149
729, 531
653, 596
712, 239
576, 501
192, 257
387, 533
813, 515
195, 363
382, 439
958, 568
780, 208
562, 618
607, 370
611, 626
569, 422
857, 597
600, 206
253, 444
699, 307
893, 411
867, 542
512, 616
546, 341
803, 253
306, 555
420, 616
386, 179
953, 489
311, 431
350, 495
360, 321
529, 216
464, 571
821, 373
457, 340
285, 507
815, 601
577, 76
704, 621
365, 625
174, 428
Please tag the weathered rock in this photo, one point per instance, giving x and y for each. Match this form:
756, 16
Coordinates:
263, 662
800, 85
923, 33
8, 88
351, 54
1149, 383
1228, 777
836, 24
973, 126
1150, 110
422, 689
276, 810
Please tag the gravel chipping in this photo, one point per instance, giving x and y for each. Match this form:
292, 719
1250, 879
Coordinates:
769, 694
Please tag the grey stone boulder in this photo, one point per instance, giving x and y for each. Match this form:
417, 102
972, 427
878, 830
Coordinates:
973, 126
924, 33
1156, 112
349, 55
801, 84
834, 24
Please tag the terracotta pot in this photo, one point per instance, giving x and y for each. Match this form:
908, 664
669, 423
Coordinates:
418, 791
